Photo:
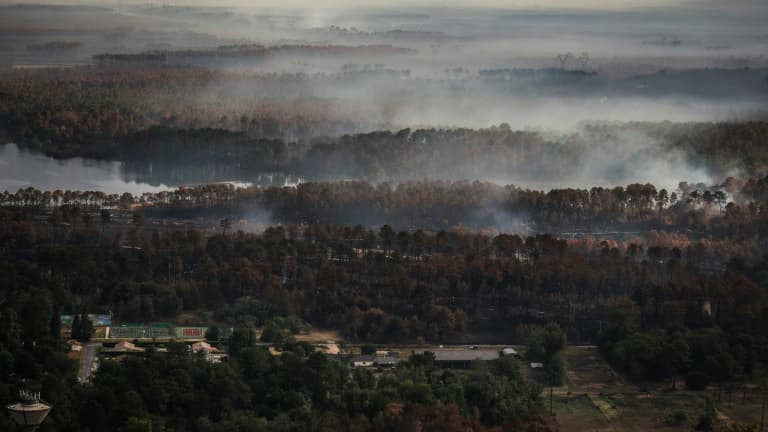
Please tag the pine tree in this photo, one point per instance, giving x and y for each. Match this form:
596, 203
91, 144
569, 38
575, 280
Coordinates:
76, 327
56, 322
86, 328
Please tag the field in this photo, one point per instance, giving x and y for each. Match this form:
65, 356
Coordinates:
597, 398
319, 336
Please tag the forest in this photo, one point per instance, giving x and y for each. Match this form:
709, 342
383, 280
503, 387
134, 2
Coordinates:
654, 312
107, 112
286, 217
733, 210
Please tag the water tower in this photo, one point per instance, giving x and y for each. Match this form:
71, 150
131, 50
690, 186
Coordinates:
30, 411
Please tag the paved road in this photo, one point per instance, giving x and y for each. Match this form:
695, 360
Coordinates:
86, 361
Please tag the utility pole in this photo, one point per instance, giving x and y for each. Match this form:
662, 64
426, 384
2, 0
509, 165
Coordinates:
551, 408
551, 389
572, 308
762, 414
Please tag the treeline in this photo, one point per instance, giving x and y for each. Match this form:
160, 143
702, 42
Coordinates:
720, 147
501, 153
702, 357
108, 113
640, 340
256, 51
85, 111
733, 210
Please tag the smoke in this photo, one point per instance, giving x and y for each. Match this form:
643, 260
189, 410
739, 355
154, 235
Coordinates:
255, 220
631, 156
470, 68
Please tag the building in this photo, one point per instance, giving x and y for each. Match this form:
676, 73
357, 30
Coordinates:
388, 361
74, 346
381, 360
510, 352
211, 353
125, 346
462, 358
362, 361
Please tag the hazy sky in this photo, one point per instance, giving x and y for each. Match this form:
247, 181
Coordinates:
712, 8
511, 4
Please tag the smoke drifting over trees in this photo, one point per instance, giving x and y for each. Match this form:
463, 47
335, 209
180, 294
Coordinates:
590, 174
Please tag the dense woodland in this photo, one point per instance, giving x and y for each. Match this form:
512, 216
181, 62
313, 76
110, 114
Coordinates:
345, 201
656, 314
733, 210
259, 52
388, 286
494, 154
270, 121
84, 111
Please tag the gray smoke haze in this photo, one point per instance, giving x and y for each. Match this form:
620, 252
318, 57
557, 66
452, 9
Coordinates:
470, 67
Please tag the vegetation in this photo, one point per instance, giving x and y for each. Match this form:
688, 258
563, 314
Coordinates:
299, 390
192, 113
547, 345
82, 328
382, 240
733, 211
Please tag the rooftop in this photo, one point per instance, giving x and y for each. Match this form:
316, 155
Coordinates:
464, 354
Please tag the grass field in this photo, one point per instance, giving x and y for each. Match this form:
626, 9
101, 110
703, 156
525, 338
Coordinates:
319, 336
597, 398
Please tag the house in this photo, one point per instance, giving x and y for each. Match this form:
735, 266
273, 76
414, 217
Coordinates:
537, 365
125, 346
204, 347
462, 358
75, 345
75, 349
361, 361
388, 361
211, 353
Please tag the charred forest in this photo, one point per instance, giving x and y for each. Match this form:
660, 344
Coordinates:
454, 217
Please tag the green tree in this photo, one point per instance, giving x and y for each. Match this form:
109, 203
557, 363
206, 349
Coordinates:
36, 316
544, 343
76, 328
134, 424
212, 334
55, 326
675, 355
240, 339
272, 333
86, 330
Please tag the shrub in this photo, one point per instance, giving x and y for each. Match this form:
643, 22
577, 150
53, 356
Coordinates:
696, 381
677, 418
